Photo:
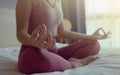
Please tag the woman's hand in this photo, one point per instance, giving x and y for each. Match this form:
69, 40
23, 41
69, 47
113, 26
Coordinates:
97, 35
38, 37
50, 43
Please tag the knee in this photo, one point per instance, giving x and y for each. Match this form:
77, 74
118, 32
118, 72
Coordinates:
94, 43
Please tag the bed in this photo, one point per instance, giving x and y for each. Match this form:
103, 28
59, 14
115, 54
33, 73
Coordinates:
107, 64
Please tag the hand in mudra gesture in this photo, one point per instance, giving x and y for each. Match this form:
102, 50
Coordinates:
99, 36
40, 38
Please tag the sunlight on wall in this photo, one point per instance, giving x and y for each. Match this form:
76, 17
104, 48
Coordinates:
105, 14
7, 28
101, 6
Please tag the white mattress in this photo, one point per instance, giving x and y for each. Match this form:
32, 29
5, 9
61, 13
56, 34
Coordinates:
107, 64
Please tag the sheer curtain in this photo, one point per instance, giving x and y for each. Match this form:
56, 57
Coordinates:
105, 14
74, 11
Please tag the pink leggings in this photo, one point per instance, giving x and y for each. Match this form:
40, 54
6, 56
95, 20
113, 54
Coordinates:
32, 60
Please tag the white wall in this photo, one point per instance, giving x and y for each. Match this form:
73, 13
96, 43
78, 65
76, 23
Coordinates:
10, 4
7, 23
66, 8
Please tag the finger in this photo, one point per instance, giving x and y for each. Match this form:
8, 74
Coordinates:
54, 42
42, 39
42, 36
103, 31
107, 34
35, 35
35, 32
38, 36
49, 40
44, 46
97, 31
44, 26
39, 40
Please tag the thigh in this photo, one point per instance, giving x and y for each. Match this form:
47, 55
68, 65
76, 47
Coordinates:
36, 61
84, 52
68, 51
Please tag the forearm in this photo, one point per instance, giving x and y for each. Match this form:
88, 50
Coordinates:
24, 38
75, 35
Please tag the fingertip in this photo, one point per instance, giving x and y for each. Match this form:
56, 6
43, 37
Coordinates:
49, 33
54, 40
43, 25
39, 27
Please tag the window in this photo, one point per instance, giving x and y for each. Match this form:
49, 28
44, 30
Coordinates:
105, 14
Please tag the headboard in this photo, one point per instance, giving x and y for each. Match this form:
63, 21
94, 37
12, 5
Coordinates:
8, 28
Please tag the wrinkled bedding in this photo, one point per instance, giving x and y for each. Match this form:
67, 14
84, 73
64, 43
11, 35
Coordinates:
107, 64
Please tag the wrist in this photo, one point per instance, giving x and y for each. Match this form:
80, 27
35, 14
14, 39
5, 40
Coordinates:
89, 37
29, 42
92, 37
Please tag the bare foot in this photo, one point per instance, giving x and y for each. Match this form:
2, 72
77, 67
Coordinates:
82, 62
88, 60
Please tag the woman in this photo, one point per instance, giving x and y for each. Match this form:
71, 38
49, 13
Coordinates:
38, 22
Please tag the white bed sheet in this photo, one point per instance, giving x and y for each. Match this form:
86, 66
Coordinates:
107, 64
